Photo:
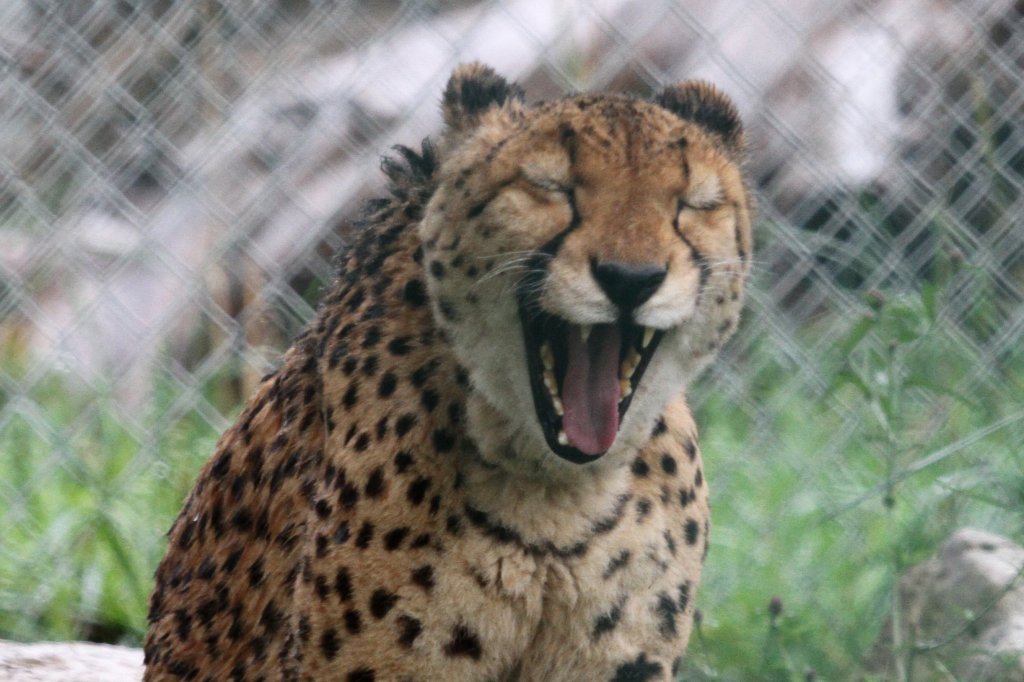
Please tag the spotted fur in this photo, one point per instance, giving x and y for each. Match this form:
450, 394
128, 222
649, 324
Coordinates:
387, 506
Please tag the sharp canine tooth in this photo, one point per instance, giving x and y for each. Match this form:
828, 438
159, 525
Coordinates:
547, 357
625, 388
585, 332
562, 438
648, 335
549, 381
559, 410
629, 365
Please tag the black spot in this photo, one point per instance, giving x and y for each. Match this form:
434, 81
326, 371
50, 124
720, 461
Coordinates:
365, 535
670, 542
606, 622
429, 399
405, 424
372, 337
698, 478
323, 508
686, 496
353, 621
242, 520
370, 365
350, 365
348, 496
668, 464
400, 345
660, 427
362, 674
410, 629
387, 385
617, 562
403, 460
639, 467
437, 269
183, 624
448, 311
256, 574
454, 524
666, 610
351, 433
692, 532
464, 642
382, 601
207, 569
393, 538
271, 619
421, 540
322, 589
444, 440
221, 465
640, 670
643, 508
424, 577
329, 643
476, 209
343, 584
231, 562
207, 610
375, 484
684, 595
341, 533
691, 450
414, 293
418, 490
422, 374
351, 395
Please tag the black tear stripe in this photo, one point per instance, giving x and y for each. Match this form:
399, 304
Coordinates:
547, 252
740, 251
699, 259
567, 136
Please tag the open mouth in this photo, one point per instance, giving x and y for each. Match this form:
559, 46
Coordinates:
583, 378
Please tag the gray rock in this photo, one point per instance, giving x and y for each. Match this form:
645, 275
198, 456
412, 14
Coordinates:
69, 662
962, 613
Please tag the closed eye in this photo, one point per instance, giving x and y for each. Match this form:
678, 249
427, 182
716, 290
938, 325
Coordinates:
702, 206
548, 184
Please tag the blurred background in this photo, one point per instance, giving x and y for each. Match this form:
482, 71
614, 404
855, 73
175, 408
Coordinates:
176, 178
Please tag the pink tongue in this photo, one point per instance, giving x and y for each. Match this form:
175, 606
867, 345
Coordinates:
590, 391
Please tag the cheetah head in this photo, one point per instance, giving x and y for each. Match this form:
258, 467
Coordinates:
586, 256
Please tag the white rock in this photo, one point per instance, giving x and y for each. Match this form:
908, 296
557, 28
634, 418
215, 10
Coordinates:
962, 612
69, 662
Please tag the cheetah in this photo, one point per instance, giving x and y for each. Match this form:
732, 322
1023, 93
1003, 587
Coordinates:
478, 463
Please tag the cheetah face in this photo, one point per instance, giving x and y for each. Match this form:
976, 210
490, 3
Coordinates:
587, 255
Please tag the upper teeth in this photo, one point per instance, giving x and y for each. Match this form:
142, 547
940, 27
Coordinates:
629, 364
547, 357
585, 332
648, 335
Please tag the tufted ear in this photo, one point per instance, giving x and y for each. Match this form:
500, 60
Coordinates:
707, 106
472, 90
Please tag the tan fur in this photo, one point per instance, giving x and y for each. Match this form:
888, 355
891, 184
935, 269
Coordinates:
386, 508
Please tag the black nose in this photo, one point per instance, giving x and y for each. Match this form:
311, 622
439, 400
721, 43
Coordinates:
628, 285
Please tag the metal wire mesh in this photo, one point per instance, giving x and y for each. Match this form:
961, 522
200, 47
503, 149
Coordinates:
176, 177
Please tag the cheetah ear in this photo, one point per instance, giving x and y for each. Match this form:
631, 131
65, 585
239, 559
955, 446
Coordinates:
472, 90
707, 106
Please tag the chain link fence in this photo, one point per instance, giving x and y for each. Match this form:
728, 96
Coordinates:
177, 176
